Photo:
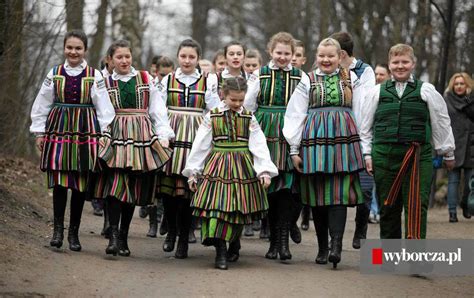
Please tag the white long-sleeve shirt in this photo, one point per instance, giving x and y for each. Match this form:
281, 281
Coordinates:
442, 137
360, 86
203, 145
156, 108
211, 97
45, 99
297, 109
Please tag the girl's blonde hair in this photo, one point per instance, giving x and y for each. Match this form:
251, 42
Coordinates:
330, 42
467, 80
283, 38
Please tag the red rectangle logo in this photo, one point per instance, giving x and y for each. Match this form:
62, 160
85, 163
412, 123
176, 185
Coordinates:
377, 256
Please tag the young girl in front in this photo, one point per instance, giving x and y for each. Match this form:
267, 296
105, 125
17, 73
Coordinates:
187, 94
135, 147
69, 112
325, 147
270, 89
229, 167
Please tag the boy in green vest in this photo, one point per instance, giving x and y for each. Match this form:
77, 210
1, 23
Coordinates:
401, 119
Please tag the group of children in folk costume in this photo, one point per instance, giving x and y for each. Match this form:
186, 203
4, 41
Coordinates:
227, 161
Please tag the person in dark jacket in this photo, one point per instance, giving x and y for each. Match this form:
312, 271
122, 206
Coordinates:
460, 102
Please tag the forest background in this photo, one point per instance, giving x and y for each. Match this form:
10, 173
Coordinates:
31, 37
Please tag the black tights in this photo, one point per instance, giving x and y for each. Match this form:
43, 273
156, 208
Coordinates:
178, 213
281, 207
60, 201
120, 212
330, 219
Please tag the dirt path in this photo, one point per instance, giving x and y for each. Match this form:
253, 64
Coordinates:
29, 267
151, 272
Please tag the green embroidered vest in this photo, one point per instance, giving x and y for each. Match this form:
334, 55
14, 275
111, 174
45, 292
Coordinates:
330, 90
276, 86
133, 94
401, 120
229, 126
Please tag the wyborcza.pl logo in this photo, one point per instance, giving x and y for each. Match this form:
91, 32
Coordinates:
430, 257
379, 256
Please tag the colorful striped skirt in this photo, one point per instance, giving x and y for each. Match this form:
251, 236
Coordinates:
80, 181
71, 144
132, 144
271, 120
332, 158
185, 123
229, 193
330, 142
129, 187
174, 186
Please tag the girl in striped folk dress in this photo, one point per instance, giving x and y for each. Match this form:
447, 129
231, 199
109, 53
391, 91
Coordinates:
229, 167
135, 147
187, 94
321, 128
270, 89
234, 53
69, 112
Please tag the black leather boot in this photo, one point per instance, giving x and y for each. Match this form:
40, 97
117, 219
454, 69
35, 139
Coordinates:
248, 231
143, 212
58, 232
233, 251
163, 226
305, 218
453, 217
336, 249
182, 248
191, 237
284, 250
272, 252
73, 238
322, 257
168, 244
361, 221
153, 219
264, 229
124, 251
465, 210
183, 241
221, 251
295, 233
106, 227
113, 248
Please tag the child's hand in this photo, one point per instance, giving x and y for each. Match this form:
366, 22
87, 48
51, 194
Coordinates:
265, 181
39, 142
165, 143
449, 164
297, 163
192, 184
368, 166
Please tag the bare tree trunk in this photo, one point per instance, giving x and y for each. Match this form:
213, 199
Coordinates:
74, 12
11, 30
199, 21
131, 27
95, 51
446, 45
323, 19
